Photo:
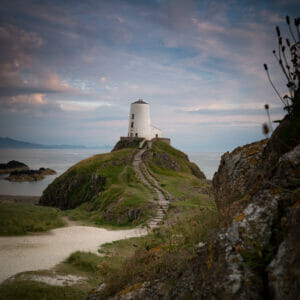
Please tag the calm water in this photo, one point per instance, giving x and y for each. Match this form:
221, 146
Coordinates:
208, 162
57, 159
61, 159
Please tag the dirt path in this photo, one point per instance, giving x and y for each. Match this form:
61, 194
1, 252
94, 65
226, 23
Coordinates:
162, 203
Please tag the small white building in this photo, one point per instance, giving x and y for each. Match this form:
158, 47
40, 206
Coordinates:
139, 121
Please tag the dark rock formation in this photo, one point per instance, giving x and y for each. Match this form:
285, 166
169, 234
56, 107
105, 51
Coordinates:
29, 175
135, 214
12, 166
68, 192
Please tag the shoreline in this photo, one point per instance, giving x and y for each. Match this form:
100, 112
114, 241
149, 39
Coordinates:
19, 199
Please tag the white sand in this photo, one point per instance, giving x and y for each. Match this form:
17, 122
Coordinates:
44, 251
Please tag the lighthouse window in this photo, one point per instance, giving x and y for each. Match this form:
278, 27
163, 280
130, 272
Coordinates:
136, 134
132, 117
131, 124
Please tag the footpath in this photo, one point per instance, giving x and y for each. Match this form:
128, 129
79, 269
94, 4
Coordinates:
162, 202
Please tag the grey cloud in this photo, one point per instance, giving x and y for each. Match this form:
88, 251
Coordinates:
16, 52
235, 112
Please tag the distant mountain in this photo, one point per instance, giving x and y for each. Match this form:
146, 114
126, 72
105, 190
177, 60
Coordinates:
6, 142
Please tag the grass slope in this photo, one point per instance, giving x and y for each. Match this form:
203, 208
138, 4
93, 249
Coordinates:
175, 173
102, 190
18, 218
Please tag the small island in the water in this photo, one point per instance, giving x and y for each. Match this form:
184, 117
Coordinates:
13, 166
30, 175
20, 172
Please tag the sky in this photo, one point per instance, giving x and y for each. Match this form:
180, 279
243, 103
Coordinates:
70, 69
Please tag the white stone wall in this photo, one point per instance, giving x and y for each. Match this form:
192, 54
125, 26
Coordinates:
155, 132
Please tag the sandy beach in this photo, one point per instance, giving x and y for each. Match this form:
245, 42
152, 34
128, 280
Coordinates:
45, 250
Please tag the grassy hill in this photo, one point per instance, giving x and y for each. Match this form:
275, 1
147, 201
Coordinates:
104, 189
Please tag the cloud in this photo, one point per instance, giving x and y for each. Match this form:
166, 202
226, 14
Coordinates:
34, 104
16, 52
198, 64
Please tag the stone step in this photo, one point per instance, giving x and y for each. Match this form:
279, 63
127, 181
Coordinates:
155, 220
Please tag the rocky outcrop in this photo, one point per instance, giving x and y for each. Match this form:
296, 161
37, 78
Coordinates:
12, 166
68, 192
234, 179
29, 175
260, 244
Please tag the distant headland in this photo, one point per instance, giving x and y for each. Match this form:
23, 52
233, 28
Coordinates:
9, 143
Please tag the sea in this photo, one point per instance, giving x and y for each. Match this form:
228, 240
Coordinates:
62, 159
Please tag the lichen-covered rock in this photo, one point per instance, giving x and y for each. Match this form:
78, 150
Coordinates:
235, 176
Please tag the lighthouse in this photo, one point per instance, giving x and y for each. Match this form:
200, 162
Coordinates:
139, 121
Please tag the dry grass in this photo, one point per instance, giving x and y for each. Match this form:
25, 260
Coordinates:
166, 252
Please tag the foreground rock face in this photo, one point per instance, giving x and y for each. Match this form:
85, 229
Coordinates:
29, 175
12, 166
236, 175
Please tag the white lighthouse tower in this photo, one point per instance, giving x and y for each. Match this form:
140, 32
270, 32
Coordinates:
139, 121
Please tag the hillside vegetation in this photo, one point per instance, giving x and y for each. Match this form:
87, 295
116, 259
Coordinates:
101, 189
22, 218
105, 189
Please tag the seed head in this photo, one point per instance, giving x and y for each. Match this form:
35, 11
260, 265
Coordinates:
265, 129
277, 31
287, 18
266, 67
266, 106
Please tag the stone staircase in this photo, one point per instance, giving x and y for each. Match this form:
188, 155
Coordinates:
162, 202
